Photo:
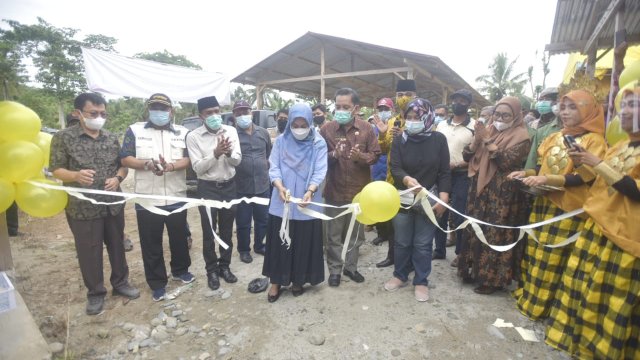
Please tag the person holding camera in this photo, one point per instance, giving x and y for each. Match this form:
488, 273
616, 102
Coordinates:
583, 123
156, 149
387, 131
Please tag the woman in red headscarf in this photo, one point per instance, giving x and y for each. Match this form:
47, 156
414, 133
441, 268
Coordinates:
543, 266
597, 311
498, 149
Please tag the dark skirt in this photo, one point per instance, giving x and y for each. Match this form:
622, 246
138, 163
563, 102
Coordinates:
303, 261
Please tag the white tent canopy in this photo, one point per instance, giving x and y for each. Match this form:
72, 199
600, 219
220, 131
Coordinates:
114, 74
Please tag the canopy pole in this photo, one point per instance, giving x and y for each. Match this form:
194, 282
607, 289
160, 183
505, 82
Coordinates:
322, 94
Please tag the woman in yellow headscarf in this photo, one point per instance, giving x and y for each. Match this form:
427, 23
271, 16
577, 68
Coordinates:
543, 266
597, 312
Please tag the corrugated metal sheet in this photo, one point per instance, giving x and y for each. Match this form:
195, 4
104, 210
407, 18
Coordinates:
301, 58
575, 21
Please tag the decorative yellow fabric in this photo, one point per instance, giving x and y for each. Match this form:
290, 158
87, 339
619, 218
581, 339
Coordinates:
530, 172
609, 174
385, 142
556, 161
586, 172
615, 213
555, 180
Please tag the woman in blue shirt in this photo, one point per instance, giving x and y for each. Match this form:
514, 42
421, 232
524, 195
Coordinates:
298, 166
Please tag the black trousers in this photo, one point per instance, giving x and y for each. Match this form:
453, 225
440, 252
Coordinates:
222, 223
89, 236
151, 228
385, 231
12, 219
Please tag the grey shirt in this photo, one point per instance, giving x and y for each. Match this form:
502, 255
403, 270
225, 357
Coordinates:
252, 174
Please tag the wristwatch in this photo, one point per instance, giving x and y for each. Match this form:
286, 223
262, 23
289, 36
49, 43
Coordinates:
120, 179
146, 165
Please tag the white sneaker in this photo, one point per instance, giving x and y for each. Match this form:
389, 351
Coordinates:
394, 284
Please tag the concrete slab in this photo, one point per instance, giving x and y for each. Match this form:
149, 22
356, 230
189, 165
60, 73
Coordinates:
20, 337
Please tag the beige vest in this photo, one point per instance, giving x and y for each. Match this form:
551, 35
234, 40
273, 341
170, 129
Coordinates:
150, 143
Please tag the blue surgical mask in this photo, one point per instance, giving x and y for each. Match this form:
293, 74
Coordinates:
243, 121
414, 127
159, 117
214, 121
544, 107
342, 116
438, 119
384, 115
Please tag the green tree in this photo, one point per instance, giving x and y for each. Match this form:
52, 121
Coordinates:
56, 55
11, 67
276, 102
166, 57
501, 81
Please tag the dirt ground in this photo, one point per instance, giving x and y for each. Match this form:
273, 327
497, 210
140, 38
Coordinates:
353, 321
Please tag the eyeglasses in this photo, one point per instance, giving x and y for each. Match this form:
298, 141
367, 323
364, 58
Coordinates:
504, 116
95, 114
630, 104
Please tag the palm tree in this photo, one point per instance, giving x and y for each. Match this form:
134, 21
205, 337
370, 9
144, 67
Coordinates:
501, 81
276, 102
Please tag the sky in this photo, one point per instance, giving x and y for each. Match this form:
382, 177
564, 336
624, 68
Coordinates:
232, 36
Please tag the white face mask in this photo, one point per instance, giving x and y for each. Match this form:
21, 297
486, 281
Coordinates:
300, 133
384, 115
502, 126
94, 124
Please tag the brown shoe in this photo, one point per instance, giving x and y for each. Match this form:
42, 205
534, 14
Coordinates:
450, 242
454, 263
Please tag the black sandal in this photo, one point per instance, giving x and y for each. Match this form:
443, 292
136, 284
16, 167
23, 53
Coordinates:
274, 298
297, 290
486, 290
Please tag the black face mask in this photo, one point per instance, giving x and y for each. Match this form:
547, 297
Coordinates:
318, 120
459, 109
282, 125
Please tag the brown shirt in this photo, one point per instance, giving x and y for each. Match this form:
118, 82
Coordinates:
74, 150
346, 177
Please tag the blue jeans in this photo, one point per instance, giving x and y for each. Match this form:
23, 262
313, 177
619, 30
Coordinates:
459, 191
413, 246
260, 215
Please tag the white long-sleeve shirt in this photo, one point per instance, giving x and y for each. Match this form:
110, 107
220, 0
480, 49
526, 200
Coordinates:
200, 145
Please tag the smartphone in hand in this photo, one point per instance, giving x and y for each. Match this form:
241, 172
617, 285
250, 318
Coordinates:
570, 143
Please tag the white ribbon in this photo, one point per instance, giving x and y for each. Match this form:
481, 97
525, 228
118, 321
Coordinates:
424, 195
354, 209
144, 201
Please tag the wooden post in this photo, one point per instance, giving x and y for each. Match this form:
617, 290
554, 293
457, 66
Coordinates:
322, 94
591, 62
6, 261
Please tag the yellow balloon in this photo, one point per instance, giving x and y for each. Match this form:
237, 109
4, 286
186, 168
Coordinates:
7, 194
40, 202
20, 160
360, 217
18, 122
629, 74
614, 132
43, 140
379, 201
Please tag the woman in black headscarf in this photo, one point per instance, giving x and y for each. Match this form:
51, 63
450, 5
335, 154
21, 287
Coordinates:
419, 157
